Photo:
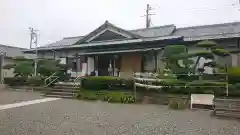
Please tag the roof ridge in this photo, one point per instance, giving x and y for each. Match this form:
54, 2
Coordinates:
213, 25
168, 25
72, 37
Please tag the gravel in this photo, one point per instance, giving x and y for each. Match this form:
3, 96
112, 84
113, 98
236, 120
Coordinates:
73, 117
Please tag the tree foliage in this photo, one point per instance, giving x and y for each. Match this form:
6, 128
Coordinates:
45, 67
22, 67
180, 61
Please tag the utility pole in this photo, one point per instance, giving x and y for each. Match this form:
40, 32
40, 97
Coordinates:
34, 40
148, 15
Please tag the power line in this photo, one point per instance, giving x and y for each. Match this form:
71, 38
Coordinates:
207, 8
148, 16
34, 40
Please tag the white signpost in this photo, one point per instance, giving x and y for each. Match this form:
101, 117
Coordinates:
202, 99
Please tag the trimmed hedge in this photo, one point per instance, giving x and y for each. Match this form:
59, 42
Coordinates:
21, 81
106, 83
35, 81
15, 81
109, 96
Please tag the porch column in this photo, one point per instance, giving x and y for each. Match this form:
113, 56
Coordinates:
96, 65
90, 65
78, 62
155, 61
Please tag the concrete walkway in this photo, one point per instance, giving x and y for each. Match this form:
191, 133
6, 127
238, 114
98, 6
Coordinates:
74, 117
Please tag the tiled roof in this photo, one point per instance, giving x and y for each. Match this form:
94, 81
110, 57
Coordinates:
104, 26
64, 42
166, 30
11, 51
215, 31
110, 42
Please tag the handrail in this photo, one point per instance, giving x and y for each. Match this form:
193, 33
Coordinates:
75, 80
49, 78
52, 81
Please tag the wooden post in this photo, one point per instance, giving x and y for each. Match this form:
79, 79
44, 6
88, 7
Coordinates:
134, 88
226, 68
155, 61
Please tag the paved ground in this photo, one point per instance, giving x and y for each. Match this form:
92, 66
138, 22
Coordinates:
73, 117
9, 97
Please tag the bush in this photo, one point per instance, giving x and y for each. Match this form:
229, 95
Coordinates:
35, 81
127, 84
15, 81
177, 104
109, 96
105, 83
88, 95
234, 75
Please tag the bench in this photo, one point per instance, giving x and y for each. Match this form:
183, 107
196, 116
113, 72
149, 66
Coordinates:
227, 108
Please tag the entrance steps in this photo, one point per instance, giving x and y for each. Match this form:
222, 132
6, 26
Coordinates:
61, 90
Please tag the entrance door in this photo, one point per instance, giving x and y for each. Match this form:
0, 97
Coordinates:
103, 65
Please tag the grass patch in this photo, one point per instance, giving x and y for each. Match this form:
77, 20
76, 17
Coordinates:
109, 96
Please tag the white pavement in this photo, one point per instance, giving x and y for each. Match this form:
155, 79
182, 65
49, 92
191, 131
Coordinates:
26, 103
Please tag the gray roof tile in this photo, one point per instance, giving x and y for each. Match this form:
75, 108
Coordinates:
215, 31
166, 30
11, 51
225, 30
64, 42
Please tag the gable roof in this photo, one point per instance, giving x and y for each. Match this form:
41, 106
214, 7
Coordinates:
107, 26
194, 33
64, 42
215, 31
12, 51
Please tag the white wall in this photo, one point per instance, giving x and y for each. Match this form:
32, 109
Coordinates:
8, 72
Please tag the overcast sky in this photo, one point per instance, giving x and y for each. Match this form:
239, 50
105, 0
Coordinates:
56, 19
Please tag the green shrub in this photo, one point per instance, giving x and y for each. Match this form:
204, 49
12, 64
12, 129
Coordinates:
234, 75
106, 83
15, 81
98, 82
35, 81
177, 104
88, 95
109, 96
119, 97
127, 84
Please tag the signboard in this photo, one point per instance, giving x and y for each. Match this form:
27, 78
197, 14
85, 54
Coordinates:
202, 99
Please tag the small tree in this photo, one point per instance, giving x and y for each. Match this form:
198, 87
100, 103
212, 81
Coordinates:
48, 67
22, 67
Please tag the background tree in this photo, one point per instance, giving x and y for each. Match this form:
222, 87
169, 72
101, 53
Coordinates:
22, 67
46, 67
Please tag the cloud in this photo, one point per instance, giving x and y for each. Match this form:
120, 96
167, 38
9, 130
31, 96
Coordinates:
56, 19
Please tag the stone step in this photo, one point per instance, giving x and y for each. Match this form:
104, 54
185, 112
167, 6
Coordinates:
59, 96
60, 93
67, 83
63, 87
57, 90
